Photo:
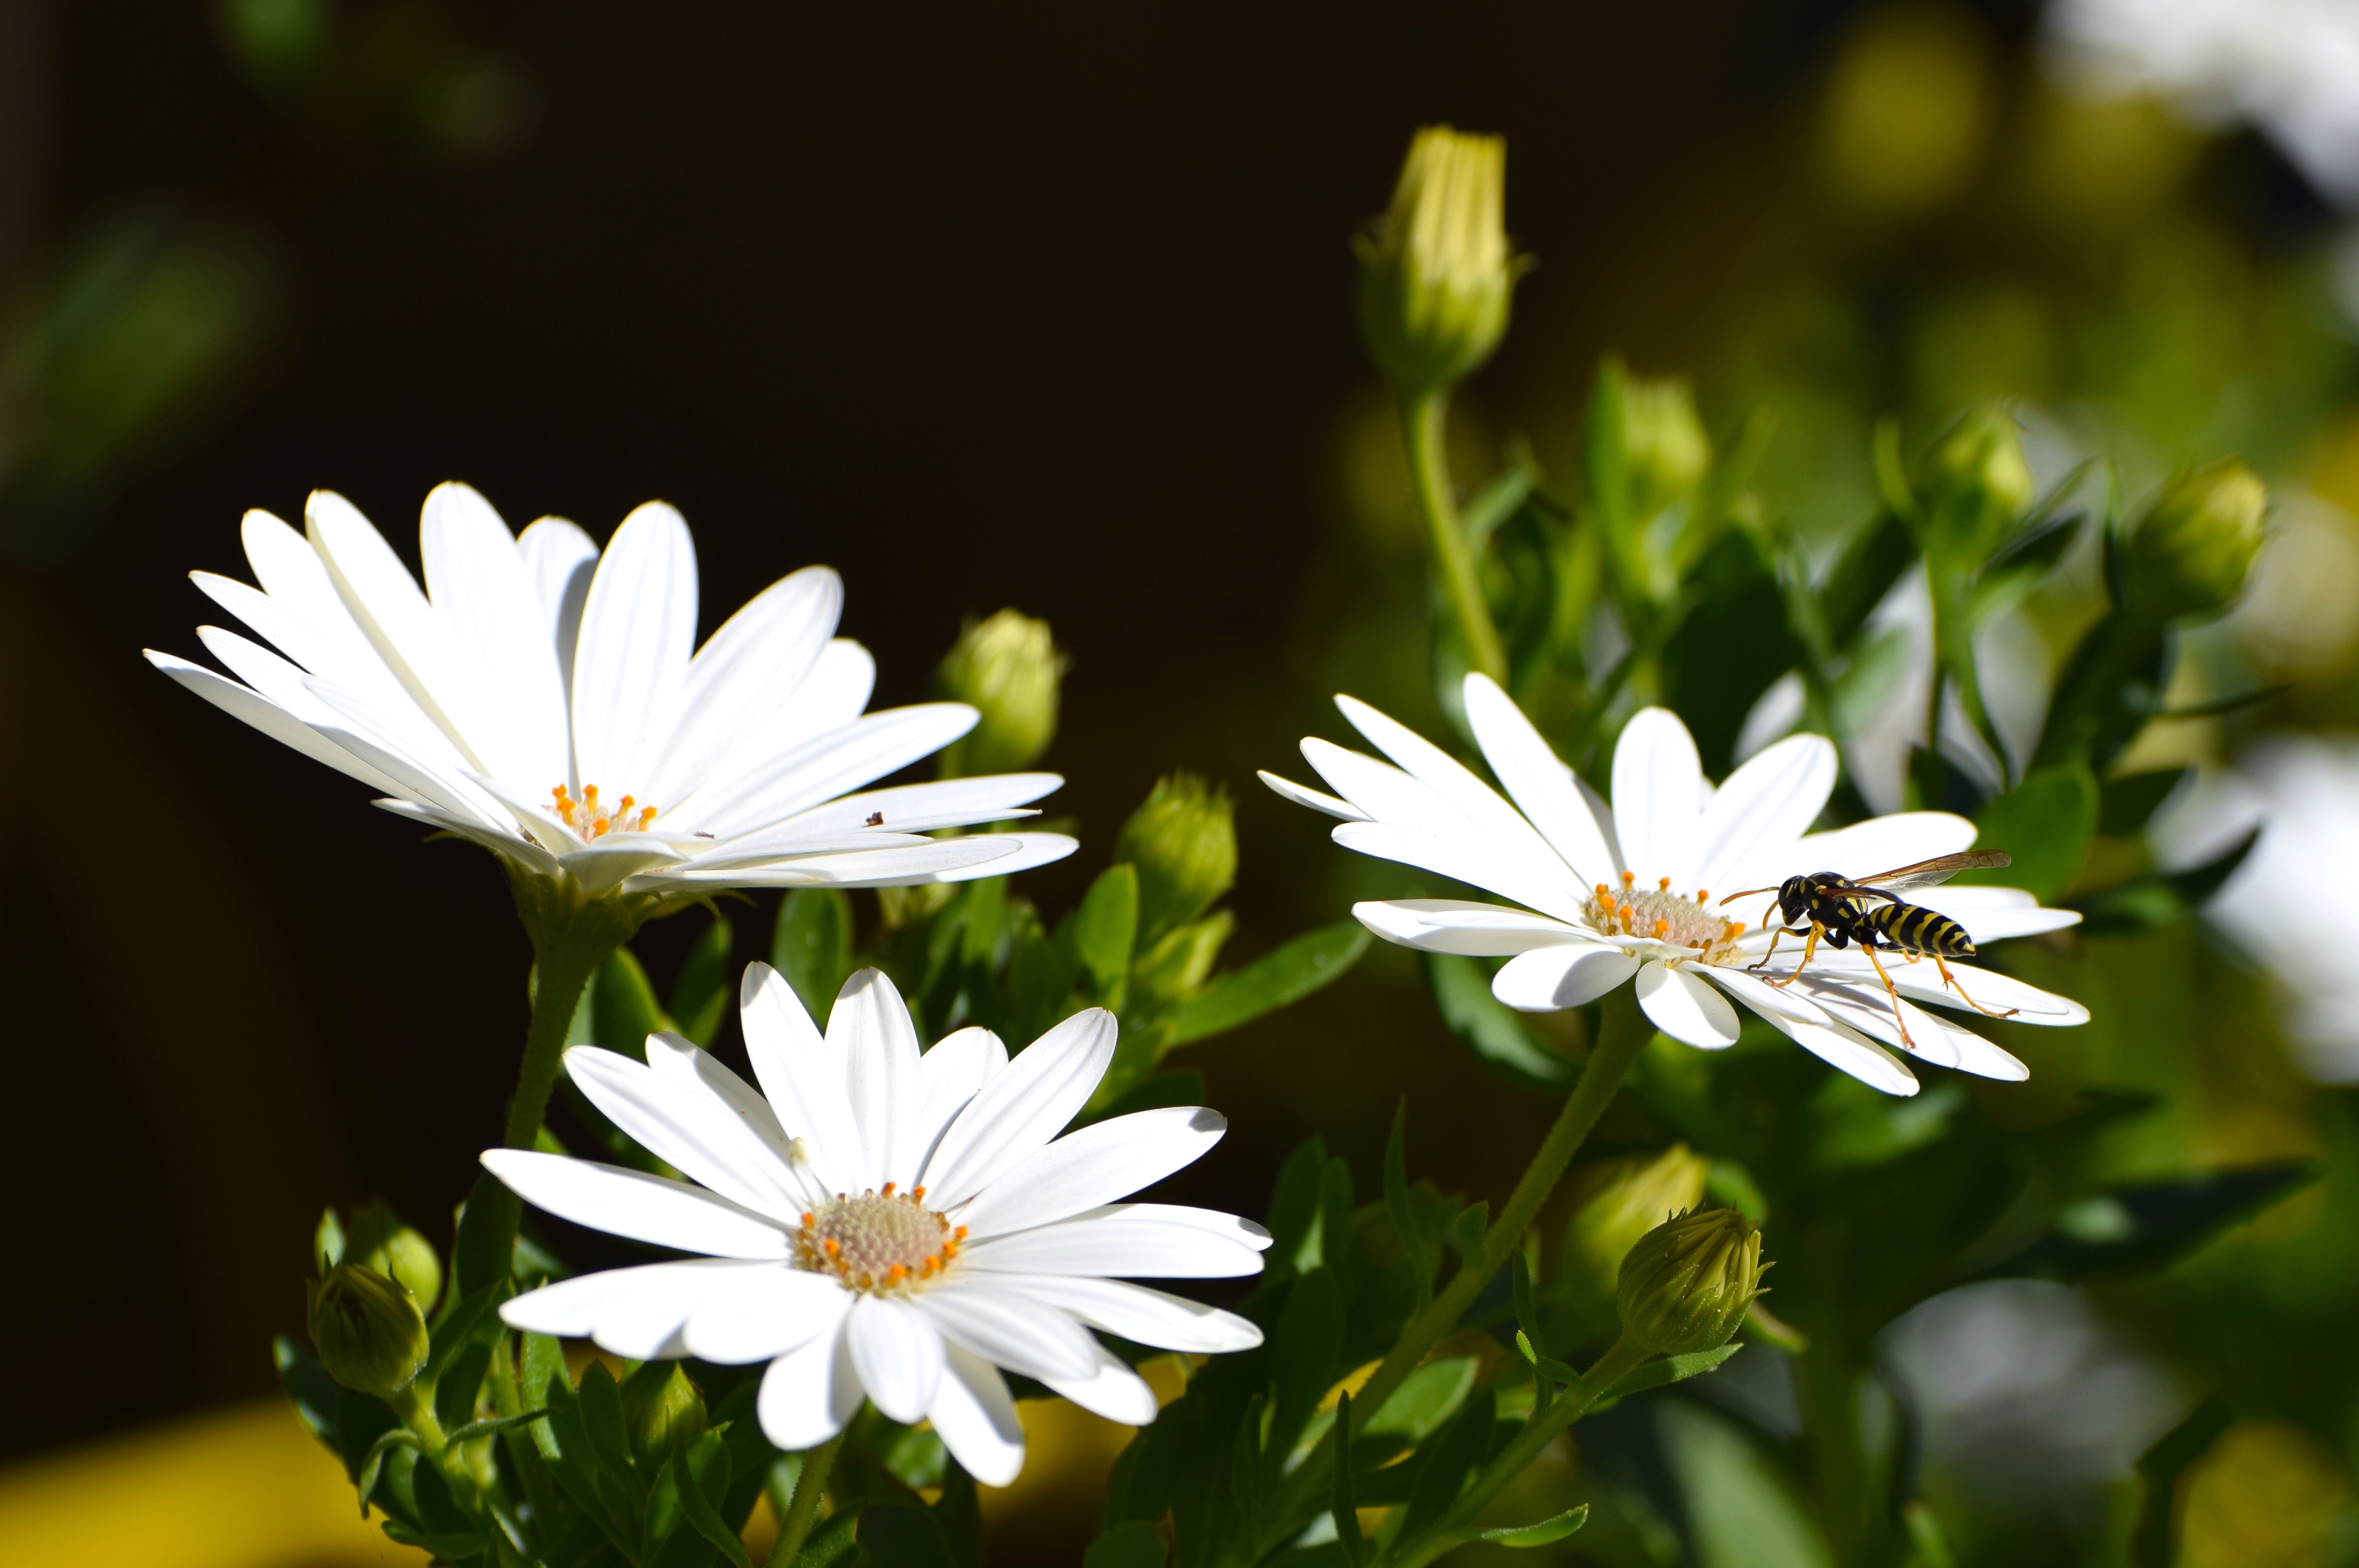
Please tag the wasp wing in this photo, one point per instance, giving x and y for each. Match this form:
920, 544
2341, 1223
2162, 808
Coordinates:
1927, 874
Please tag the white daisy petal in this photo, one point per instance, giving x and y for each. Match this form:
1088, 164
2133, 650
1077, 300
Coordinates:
1446, 776
827, 765
1302, 795
1007, 1330
688, 1126
244, 703
482, 593
1139, 1314
871, 1029
499, 840
561, 560
976, 1421
577, 1308
921, 807
897, 1353
952, 1073
305, 618
1921, 983
1465, 858
807, 1396
638, 626
642, 1207
1454, 925
1683, 1005
1022, 1107
1658, 784
1881, 844
742, 675
1157, 1240
1930, 1038
1550, 980
1100, 1162
1809, 1027
1764, 808
831, 697
765, 1314
1540, 783
1113, 1390
801, 1077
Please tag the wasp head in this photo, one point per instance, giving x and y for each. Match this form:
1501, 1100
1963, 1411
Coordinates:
1794, 896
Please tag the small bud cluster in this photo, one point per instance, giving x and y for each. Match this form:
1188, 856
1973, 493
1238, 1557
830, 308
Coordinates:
1009, 671
1687, 1283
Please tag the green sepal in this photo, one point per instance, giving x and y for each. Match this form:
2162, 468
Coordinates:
904, 1535
701, 999
1282, 976
812, 945
1544, 1533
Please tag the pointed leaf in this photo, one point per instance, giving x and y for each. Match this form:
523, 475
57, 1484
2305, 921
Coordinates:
1462, 990
812, 945
1544, 1533
1284, 975
700, 1000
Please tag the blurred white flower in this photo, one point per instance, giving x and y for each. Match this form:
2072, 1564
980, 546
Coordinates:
547, 701
2288, 67
884, 1224
1624, 893
2303, 792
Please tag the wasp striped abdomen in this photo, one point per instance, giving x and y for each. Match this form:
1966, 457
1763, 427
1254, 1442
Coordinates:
1913, 928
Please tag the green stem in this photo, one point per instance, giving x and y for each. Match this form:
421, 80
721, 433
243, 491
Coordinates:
795, 1528
1424, 422
413, 1403
1621, 1035
568, 944
1456, 1527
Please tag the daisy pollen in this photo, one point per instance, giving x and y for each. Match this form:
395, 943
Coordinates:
591, 821
878, 1243
1666, 916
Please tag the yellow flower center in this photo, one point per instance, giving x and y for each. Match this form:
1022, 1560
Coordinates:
1686, 920
883, 1243
592, 819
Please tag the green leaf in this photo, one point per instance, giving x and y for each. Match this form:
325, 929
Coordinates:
374, 1464
1462, 990
1425, 1398
831, 1544
2160, 898
1281, 976
702, 1475
1303, 1349
542, 1358
1468, 1230
1732, 644
601, 1417
1867, 683
1293, 1211
1134, 1544
903, 1535
462, 1326
960, 1513
1527, 1317
1666, 1370
1496, 502
310, 1390
1244, 1456
1544, 1533
1891, 473
1447, 1466
1344, 1510
1870, 564
2020, 564
2160, 1467
623, 1010
1399, 1206
2136, 1230
459, 1381
1105, 931
483, 1253
812, 945
700, 1000
2127, 803
2045, 823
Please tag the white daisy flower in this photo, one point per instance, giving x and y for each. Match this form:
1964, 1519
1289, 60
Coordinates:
1610, 895
877, 1222
548, 702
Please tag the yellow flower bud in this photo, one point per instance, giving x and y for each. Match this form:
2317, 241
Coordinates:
368, 1330
1639, 1195
1182, 840
1009, 671
1977, 482
1664, 445
1687, 1283
660, 1407
1436, 273
2190, 554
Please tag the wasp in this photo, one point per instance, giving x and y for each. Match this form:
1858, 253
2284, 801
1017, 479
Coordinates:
1870, 912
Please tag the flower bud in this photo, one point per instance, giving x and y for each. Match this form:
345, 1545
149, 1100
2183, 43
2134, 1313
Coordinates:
2191, 553
1685, 1284
1663, 447
378, 1239
1183, 843
368, 1330
1436, 274
1977, 482
1008, 670
1639, 1195
660, 1407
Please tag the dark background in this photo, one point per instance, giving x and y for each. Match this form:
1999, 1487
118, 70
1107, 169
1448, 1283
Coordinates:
1044, 308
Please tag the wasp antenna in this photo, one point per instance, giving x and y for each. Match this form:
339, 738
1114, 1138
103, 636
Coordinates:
1748, 893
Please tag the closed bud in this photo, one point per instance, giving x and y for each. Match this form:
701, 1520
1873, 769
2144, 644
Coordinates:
1687, 1283
368, 1330
1639, 1195
1182, 841
1977, 482
1436, 274
2190, 554
661, 1408
1009, 671
377, 1239
1663, 447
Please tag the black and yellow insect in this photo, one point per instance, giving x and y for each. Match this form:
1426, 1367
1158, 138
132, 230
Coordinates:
1843, 910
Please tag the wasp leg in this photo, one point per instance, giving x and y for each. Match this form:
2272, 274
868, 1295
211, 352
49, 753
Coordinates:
1808, 947
1891, 990
1950, 980
1783, 932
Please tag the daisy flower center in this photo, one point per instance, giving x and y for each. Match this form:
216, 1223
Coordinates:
1685, 919
592, 818
884, 1243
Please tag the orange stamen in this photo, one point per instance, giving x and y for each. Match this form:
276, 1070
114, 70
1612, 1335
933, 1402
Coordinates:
897, 1272
918, 1194
1628, 878
889, 1189
1660, 927
1604, 893
829, 1248
1663, 885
